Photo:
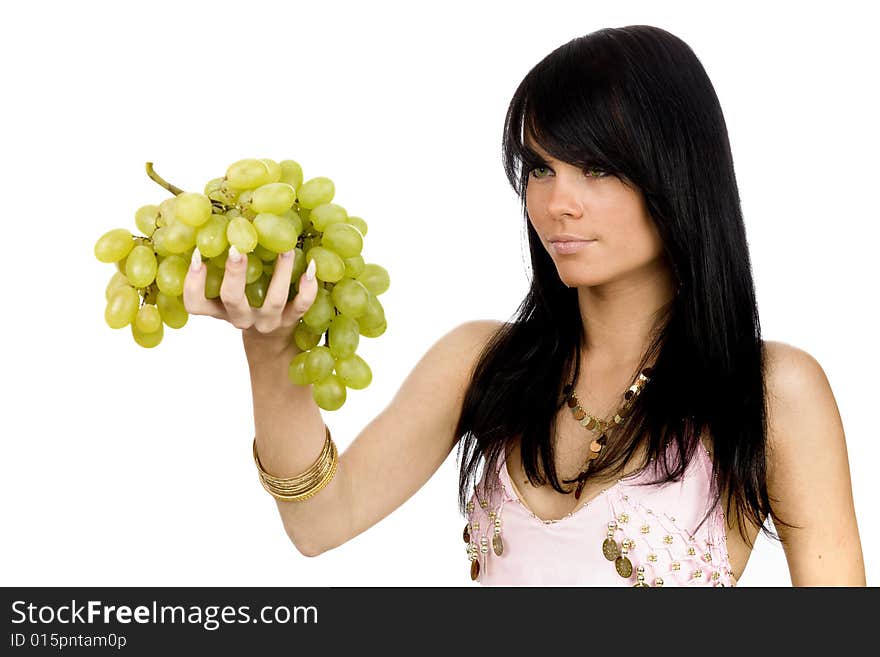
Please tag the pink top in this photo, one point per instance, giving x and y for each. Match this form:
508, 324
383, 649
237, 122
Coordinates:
653, 526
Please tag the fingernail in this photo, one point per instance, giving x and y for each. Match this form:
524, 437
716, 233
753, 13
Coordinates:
196, 262
234, 254
287, 254
310, 270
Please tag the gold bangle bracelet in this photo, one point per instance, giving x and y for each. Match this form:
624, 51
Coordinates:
307, 484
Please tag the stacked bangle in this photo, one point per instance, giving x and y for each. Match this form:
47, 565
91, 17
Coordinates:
307, 484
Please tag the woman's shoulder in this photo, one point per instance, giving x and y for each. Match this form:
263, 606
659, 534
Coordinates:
803, 418
792, 375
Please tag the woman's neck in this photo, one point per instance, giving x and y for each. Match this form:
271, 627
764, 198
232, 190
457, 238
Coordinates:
620, 316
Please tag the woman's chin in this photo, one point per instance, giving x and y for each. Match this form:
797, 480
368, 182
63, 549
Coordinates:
570, 280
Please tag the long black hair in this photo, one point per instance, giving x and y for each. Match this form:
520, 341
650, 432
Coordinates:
636, 102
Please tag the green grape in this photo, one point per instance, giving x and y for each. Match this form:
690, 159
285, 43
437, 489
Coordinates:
122, 307
232, 213
319, 364
320, 313
248, 174
242, 234
148, 340
327, 214
273, 198
172, 310
145, 218
256, 291
296, 371
373, 318
212, 186
277, 233
148, 319
117, 281
351, 297
299, 265
329, 393
114, 245
274, 169
254, 268
293, 216
343, 239
304, 337
211, 238
213, 280
140, 267
373, 331
354, 372
358, 223
179, 237
166, 212
329, 266
268, 268
291, 173
354, 266
263, 253
344, 336
219, 261
170, 274
158, 239
316, 191
375, 278
192, 208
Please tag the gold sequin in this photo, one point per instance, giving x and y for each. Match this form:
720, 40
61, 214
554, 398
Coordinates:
675, 565
707, 557
652, 558
698, 574
716, 575
658, 581
667, 539
692, 550
646, 529
623, 518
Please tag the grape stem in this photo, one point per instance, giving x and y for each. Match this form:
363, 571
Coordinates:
162, 182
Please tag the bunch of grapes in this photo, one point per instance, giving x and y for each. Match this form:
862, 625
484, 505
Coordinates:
263, 208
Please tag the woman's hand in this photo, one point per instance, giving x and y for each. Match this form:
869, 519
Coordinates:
274, 319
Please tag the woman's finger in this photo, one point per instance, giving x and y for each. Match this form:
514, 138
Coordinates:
305, 297
269, 314
232, 290
194, 299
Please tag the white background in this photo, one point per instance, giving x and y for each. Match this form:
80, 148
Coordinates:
125, 466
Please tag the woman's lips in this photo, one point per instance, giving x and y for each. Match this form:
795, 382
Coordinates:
566, 247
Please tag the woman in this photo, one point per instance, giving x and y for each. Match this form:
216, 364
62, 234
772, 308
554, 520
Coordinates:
635, 428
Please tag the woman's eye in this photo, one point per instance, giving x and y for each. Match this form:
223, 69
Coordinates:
595, 172
534, 172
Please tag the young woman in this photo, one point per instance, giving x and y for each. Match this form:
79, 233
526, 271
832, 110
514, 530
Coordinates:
634, 427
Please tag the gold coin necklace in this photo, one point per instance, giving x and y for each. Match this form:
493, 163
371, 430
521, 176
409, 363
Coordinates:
599, 426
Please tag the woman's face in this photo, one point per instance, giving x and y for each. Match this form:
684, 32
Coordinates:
564, 200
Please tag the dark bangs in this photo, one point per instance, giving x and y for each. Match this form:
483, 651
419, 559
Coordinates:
569, 105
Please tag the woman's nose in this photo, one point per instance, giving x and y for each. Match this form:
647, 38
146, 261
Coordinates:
564, 200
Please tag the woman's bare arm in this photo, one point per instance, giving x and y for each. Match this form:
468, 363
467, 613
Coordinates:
387, 462
396, 453
808, 472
